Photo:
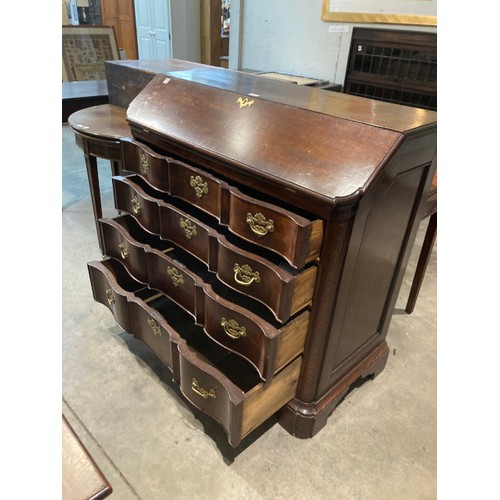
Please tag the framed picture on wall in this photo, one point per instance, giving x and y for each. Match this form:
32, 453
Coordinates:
84, 50
410, 12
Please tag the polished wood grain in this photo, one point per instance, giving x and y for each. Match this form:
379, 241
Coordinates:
290, 235
128, 78
207, 382
276, 287
359, 169
248, 142
81, 476
264, 345
97, 132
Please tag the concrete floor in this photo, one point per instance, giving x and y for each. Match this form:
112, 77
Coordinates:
380, 443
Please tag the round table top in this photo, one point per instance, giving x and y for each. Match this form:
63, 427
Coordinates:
105, 121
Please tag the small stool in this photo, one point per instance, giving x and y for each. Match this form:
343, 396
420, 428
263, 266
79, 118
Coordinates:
98, 131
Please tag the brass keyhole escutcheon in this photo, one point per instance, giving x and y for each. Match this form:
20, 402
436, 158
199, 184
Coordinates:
144, 161
175, 276
244, 275
195, 385
200, 187
136, 205
123, 250
244, 102
259, 224
110, 296
189, 228
233, 329
155, 327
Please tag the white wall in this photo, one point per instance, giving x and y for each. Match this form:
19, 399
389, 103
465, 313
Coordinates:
185, 19
289, 37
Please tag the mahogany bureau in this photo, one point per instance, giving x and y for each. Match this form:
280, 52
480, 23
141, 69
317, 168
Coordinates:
261, 244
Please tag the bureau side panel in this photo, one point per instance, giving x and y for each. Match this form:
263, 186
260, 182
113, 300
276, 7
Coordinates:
383, 233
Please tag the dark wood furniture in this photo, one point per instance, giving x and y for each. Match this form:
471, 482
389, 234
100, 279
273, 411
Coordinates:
401, 67
98, 130
81, 477
262, 240
393, 66
430, 211
81, 95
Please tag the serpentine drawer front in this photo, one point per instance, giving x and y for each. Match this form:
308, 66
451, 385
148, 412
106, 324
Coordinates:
284, 291
268, 347
262, 234
290, 235
210, 377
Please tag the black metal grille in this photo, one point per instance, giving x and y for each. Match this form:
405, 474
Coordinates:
393, 66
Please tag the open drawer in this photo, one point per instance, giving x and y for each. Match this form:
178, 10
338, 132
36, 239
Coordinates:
294, 237
228, 319
284, 290
218, 382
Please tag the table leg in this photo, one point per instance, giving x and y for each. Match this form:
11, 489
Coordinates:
95, 194
423, 260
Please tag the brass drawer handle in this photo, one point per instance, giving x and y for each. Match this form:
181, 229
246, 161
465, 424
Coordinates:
233, 329
136, 205
155, 327
195, 385
144, 160
200, 187
259, 224
189, 228
244, 275
175, 276
110, 297
123, 250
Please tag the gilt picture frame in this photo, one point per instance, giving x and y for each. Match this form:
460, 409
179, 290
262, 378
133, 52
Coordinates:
409, 12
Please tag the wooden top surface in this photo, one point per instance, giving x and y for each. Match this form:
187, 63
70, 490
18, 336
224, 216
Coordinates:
87, 88
105, 121
395, 117
326, 155
81, 478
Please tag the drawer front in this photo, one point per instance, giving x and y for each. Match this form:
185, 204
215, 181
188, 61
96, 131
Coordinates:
253, 277
173, 279
219, 385
269, 226
239, 331
185, 231
148, 326
108, 292
198, 188
143, 161
132, 199
281, 291
296, 238
210, 391
228, 324
237, 411
118, 244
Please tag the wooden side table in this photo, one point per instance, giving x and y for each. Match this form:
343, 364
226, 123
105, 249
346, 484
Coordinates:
98, 130
81, 477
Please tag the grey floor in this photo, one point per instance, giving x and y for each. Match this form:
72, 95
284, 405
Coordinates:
380, 443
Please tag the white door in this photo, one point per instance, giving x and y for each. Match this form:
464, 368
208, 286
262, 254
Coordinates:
153, 29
